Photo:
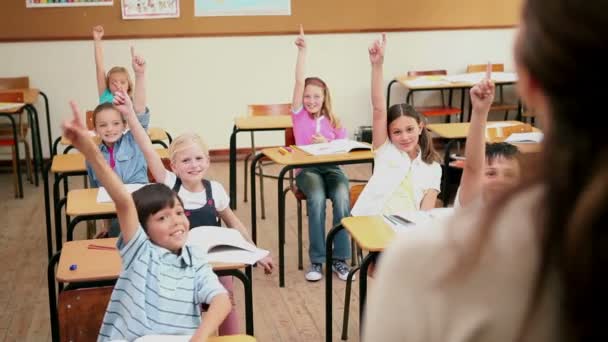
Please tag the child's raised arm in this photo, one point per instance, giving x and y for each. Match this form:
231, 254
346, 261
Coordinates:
100, 71
298, 89
376, 57
482, 96
139, 68
125, 207
122, 102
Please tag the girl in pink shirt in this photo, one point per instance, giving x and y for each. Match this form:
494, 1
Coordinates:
314, 122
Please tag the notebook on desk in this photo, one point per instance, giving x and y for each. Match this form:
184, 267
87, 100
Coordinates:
529, 137
337, 146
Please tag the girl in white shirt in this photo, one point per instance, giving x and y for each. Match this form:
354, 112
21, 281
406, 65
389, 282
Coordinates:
406, 175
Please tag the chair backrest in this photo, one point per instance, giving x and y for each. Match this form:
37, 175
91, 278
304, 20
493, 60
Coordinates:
14, 82
482, 68
89, 120
354, 193
290, 139
269, 109
16, 97
166, 164
81, 311
427, 73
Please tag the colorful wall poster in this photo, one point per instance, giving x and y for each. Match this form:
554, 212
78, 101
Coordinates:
150, 9
209, 8
66, 3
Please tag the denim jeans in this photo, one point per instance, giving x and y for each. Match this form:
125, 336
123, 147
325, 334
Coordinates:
318, 184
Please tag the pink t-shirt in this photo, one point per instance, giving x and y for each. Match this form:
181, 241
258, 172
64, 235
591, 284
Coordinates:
305, 126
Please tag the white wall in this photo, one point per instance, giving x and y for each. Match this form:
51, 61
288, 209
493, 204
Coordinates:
201, 84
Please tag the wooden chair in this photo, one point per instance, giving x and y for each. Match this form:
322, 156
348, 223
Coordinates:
6, 138
499, 102
443, 109
261, 110
80, 312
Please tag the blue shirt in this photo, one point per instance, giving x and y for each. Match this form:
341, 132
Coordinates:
107, 96
158, 292
130, 164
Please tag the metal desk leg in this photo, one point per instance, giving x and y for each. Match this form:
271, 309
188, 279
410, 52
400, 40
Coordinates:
47, 209
248, 288
281, 201
48, 122
371, 257
232, 168
329, 280
253, 198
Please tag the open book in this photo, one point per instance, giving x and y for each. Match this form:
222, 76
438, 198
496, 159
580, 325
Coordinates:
419, 217
335, 147
530, 137
225, 245
104, 197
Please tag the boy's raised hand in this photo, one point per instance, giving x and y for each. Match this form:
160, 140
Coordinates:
98, 32
376, 50
138, 62
75, 130
301, 41
482, 94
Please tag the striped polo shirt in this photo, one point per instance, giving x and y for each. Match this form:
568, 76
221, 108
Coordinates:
158, 292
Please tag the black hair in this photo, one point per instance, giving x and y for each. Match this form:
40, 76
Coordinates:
501, 150
151, 199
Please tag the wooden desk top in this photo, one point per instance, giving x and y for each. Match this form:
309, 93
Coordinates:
84, 202
74, 162
439, 82
263, 122
11, 108
155, 133
71, 162
30, 95
370, 232
97, 264
460, 130
298, 157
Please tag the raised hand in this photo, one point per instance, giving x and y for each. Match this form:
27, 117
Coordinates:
376, 50
98, 32
301, 41
138, 62
122, 102
482, 94
75, 130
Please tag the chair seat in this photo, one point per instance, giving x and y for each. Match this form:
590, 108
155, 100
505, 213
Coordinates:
438, 111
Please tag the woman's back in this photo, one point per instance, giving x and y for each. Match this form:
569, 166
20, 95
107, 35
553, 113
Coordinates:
422, 299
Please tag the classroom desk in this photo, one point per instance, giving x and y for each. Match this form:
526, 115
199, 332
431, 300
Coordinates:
89, 269
63, 166
454, 132
251, 124
406, 82
9, 110
290, 161
370, 233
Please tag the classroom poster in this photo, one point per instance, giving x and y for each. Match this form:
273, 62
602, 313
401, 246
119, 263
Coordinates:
66, 3
211, 8
150, 9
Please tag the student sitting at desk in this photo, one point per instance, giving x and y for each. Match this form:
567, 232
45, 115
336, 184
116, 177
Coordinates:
163, 282
315, 122
406, 174
117, 146
500, 171
204, 201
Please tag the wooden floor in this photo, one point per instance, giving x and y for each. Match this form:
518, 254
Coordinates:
293, 313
